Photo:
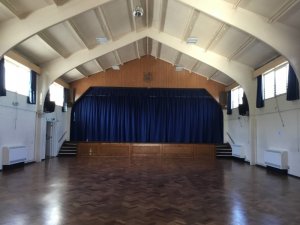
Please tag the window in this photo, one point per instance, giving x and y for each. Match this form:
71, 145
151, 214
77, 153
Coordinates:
275, 81
17, 77
236, 97
57, 94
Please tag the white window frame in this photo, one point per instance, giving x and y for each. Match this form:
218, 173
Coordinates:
17, 77
236, 97
56, 92
273, 72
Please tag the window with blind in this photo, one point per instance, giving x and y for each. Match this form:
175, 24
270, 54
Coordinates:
236, 97
275, 81
17, 77
57, 94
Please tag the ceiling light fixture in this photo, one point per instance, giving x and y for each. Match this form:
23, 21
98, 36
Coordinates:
192, 40
115, 67
138, 11
101, 40
179, 68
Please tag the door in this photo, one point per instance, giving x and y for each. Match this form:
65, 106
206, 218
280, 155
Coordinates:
49, 140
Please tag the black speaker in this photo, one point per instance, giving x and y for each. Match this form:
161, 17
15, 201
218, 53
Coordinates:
49, 107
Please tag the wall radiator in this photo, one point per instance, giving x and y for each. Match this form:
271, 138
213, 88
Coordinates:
276, 158
238, 151
14, 154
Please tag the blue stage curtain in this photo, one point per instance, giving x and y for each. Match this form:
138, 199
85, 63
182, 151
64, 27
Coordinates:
293, 85
260, 102
147, 115
66, 97
2, 78
31, 99
229, 110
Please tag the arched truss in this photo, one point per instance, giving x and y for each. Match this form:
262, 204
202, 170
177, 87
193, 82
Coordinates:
282, 38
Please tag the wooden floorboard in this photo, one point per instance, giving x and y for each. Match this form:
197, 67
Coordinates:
89, 191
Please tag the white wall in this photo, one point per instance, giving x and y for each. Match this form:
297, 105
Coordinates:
61, 127
17, 123
22, 125
272, 133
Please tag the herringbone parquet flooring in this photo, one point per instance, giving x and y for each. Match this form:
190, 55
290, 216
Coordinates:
147, 192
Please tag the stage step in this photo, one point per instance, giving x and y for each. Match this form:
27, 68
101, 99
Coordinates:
68, 149
223, 151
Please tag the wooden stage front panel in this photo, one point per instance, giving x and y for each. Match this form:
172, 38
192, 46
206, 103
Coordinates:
97, 149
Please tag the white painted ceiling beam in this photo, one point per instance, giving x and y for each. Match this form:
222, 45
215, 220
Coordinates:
237, 71
117, 57
14, 31
178, 58
76, 33
190, 25
58, 67
102, 20
163, 12
158, 50
59, 2
99, 64
243, 47
284, 8
218, 36
137, 51
10, 5
131, 18
282, 38
53, 44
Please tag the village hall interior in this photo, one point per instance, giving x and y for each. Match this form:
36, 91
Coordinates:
149, 112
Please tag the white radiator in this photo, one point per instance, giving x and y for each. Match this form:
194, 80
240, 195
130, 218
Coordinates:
276, 158
238, 151
14, 154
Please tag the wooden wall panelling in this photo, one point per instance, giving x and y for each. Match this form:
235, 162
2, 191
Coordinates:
114, 149
87, 149
178, 151
163, 74
146, 150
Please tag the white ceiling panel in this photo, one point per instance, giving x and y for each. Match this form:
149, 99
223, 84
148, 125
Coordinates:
177, 17
205, 28
65, 37
88, 27
154, 48
291, 18
108, 60
157, 5
168, 54
24, 7
91, 67
127, 53
232, 40
265, 8
257, 54
72, 76
5, 14
222, 78
36, 50
204, 70
117, 17
142, 47
187, 61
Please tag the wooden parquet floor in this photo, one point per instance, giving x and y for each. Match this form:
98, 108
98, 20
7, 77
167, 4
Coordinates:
147, 192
